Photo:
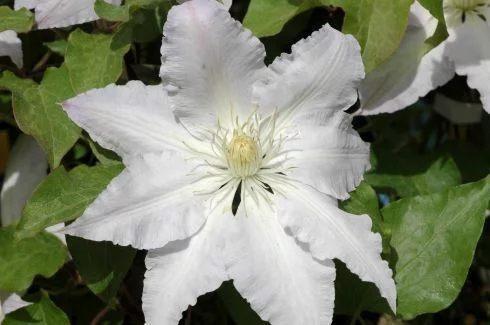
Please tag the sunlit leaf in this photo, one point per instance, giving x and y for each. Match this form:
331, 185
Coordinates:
239, 309
91, 61
268, 17
20, 21
378, 25
63, 196
102, 265
434, 7
413, 174
434, 237
42, 312
22, 259
351, 294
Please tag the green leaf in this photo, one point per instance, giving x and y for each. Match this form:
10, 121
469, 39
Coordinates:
440, 35
112, 12
147, 24
20, 21
91, 61
378, 25
411, 175
6, 114
353, 296
42, 312
148, 73
365, 201
149, 3
473, 164
434, 237
22, 259
102, 265
239, 309
268, 17
434, 7
105, 156
140, 14
85, 308
59, 47
63, 196
38, 113
79, 151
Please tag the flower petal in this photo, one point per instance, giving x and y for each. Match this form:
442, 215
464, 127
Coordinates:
209, 62
182, 271
62, 13
11, 46
28, 4
225, 3
56, 230
321, 74
10, 302
406, 76
468, 46
280, 280
131, 119
27, 166
151, 203
314, 219
333, 158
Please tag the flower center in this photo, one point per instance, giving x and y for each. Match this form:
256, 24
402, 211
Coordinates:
243, 155
458, 11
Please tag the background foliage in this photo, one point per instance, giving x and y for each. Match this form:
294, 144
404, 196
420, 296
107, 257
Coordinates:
427, 193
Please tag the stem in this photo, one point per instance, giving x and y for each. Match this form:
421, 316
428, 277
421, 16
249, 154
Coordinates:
101, 314
130, 299
353, 320
188, 316
356, 317
41, 62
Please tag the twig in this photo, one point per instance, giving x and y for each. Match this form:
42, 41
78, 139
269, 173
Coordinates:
41, 62
101, 314
127, 295
188, 316
355, 317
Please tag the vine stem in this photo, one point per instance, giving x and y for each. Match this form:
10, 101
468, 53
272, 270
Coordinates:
355, 317
101, 314
42, 62
188, 316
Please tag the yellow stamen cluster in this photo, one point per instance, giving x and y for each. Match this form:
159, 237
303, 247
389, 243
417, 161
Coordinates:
243, 155
459, 11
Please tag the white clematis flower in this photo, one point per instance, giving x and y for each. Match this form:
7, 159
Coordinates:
275, 137
11, 46
410, 74
225, 3
468, 44
10, 302
61, 13
26, 168
457, 112
28, 4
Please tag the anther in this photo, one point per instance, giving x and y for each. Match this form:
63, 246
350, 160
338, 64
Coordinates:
244, 155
